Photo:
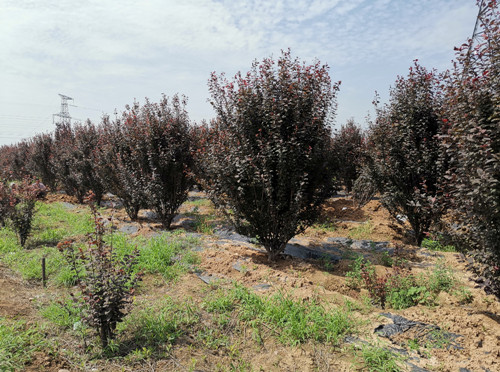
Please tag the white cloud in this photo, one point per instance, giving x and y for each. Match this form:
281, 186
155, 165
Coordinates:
105, 53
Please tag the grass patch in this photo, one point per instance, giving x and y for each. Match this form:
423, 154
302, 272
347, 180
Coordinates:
18, 342
200, 203
386, 260
377, 359
8, 241
156, 328
203, 225
326, 226
361, 232
292, 321
353, 276
202, 222
61, 221
441, 278
28, 264
52, 224
464, 295
168, 254
435, 245
212, 338
63, 314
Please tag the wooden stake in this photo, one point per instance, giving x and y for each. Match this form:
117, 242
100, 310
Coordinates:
44, 278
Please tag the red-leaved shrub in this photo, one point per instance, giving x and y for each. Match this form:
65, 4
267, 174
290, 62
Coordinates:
405, 154
74, 159
152, 155
267, 154
472, 144
348, 146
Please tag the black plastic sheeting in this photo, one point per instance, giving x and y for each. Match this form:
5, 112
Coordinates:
425, 332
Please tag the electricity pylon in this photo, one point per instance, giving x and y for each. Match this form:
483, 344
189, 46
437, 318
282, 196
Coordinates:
65, 117
479, 32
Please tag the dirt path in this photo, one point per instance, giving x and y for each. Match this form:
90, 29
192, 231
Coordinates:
15, 295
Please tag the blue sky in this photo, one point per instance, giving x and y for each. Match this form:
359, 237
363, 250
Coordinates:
106, 53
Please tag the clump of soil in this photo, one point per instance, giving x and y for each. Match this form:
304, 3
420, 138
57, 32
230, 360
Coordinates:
60, 198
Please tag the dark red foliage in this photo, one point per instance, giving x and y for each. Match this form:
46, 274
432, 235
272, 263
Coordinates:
266, 156
472, 144
348, 148
404, 164
23, 197
7, 201
120, 159
106, 281
40, 159
13, 161
73, 160
155, 156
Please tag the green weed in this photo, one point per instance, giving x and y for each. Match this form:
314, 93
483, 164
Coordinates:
55, 216
168, 254
63, 314
464, 295
202, 224
327, 263
28, 263
139, 354
8, 241
212, 338
386, 260
437, 339
354, 279
441, 278
159, 326
410, 295
436, 245
400, 289
326, 226
200, 203
294, 322
378, 359
18, 342
363, 231
52, 224
219, 303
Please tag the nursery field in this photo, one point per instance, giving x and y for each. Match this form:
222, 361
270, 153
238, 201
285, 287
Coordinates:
349, 294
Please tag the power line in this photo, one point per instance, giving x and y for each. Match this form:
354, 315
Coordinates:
86, 108
47, 105
19, 116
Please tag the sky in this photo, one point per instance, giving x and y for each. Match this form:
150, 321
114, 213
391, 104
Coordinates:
106, 54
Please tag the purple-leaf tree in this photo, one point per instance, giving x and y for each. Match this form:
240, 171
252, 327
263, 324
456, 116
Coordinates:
267, 153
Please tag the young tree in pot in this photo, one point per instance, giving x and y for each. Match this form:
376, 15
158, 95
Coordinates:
267, 153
